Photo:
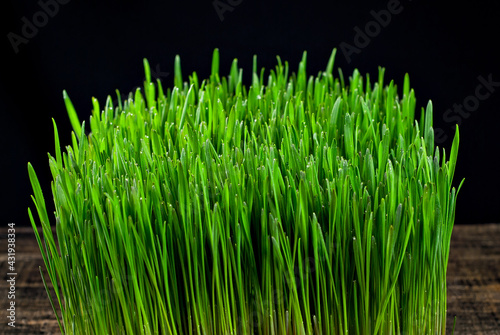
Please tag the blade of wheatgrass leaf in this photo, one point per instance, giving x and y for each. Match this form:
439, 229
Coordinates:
178, 73
406, 85
184, 114
57, 145
331, 61
73, 116
147, 70
428, 130
453, 156
50, 299
214, 77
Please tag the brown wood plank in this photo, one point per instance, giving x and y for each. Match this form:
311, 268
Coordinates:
473, 283
34, 315
474, 279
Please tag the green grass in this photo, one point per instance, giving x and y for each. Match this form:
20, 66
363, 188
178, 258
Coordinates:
298, 205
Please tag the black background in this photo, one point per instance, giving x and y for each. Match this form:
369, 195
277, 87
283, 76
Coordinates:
91, 48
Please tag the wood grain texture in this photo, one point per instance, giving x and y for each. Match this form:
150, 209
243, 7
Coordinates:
473, 283
474, 279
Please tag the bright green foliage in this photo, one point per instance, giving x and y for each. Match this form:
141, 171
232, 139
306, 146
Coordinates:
299, 205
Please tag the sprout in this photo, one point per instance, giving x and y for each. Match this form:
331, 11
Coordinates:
300, 206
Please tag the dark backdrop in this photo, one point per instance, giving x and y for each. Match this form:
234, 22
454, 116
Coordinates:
90, 49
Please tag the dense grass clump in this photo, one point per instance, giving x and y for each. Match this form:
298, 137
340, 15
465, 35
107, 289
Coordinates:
299, 205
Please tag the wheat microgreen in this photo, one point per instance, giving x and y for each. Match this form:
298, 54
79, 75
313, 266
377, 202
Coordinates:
298, 205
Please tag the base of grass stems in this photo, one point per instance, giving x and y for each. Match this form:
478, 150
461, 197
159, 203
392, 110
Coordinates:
298, 205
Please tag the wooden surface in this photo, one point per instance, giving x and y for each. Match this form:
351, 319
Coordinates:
473, 283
